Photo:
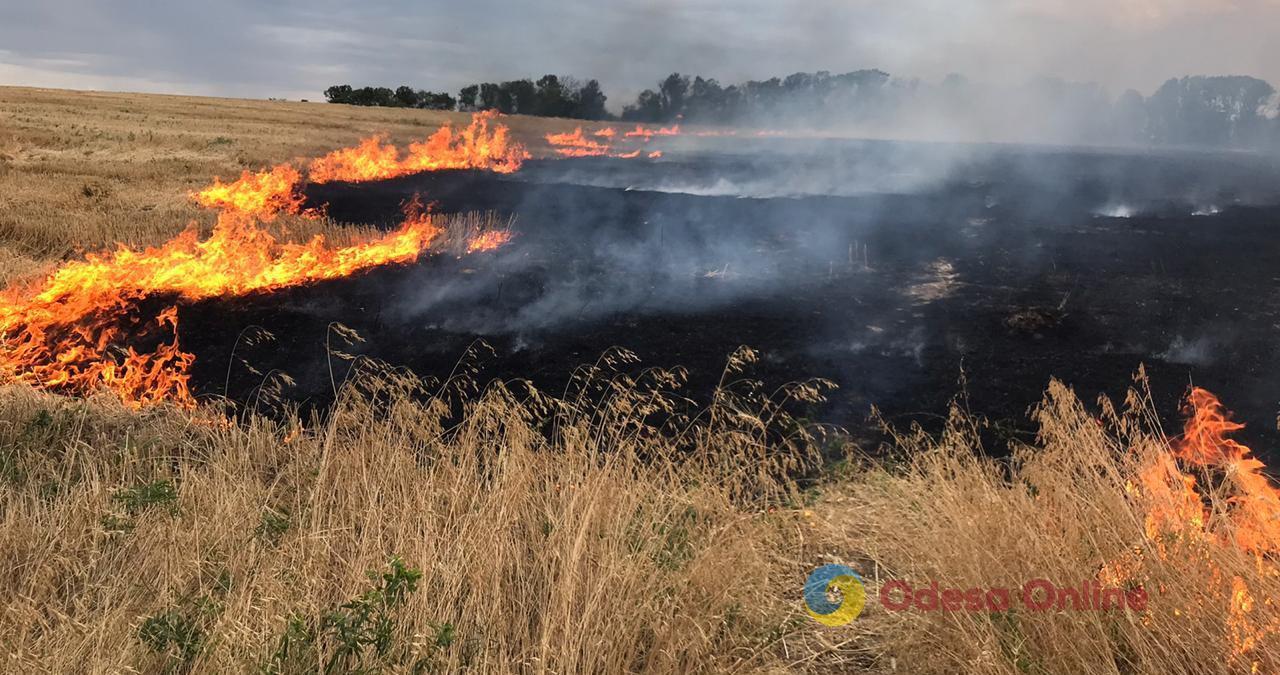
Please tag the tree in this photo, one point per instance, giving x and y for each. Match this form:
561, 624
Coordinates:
647, 108
673, 91
706, 101
1130, 117
591, 102
552, 98
490, 96
406, 96
467, 97
519, 96
375, 96
338, 93
1209, 111
435, 101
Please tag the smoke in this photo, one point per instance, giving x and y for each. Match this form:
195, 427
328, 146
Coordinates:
621, 252
776, 167
719, 225
1270, 109
1196, 352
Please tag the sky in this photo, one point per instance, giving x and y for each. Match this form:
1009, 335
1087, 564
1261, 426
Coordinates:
291, 49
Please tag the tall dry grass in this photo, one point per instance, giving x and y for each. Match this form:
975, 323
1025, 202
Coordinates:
602, 530
1072, 508
608, 527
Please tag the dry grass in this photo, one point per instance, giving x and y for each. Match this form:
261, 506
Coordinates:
84, 170
605, 530
1069, 510
552, 534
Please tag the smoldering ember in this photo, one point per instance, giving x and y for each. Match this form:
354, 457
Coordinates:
728, 372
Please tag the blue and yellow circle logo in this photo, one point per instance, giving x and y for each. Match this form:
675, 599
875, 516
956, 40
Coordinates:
828, 579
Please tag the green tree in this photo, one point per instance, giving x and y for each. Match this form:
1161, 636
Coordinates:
591, 102
338, 93
406, 96
467, 97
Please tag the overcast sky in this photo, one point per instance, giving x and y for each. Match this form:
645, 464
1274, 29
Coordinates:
296, 49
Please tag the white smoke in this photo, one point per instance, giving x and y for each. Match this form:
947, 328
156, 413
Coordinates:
1270, 108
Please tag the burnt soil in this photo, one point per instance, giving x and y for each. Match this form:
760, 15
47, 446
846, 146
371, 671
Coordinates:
870, 264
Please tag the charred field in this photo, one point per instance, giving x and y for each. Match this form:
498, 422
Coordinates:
896, 270
149, 527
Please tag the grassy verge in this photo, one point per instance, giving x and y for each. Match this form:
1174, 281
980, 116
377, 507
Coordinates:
568, 533
610, 528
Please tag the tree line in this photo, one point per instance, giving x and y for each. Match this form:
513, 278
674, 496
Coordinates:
1230, 111
549, 96
1210, 111
401, 97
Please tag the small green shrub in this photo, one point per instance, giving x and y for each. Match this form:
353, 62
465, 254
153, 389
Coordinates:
358, 631
142, 497
179, 632
273, 526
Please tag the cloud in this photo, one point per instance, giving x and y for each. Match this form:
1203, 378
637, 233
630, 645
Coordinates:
296, 48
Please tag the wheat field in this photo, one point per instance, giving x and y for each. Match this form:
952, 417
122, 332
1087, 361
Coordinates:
82, 171
611, 526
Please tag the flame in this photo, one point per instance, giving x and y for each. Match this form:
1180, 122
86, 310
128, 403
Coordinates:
262, 194
487, 241
1254, 502
69, 332
478, 146
1183, 516
80, 329
644, 133
576, 144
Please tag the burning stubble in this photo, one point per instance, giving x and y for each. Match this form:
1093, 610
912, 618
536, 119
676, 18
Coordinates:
82, 328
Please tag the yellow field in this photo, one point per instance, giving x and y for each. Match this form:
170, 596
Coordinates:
602, 528
84, 170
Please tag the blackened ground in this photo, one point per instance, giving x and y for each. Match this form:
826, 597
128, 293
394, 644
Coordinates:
1009, 265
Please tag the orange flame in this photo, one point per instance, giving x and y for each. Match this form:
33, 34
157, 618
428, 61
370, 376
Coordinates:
66, 333
1176, 504
77, 330
262, 194
576, 144
1254, 501
478, 146
642, 132
487, 241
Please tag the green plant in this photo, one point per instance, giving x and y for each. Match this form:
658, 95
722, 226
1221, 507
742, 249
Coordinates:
173, 630
116, 524
359, 630
273, 526
178, 632
142, 497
